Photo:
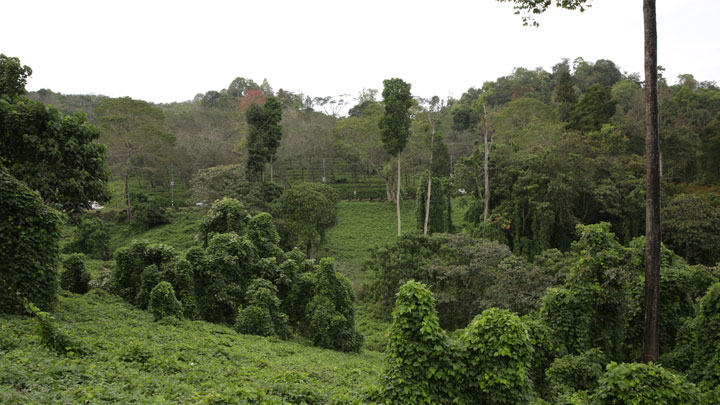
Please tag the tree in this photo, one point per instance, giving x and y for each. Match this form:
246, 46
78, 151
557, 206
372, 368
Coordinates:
136, 137
306, 212
652, 163
51, 153
434, 107
264, 136
594, 109
395, 125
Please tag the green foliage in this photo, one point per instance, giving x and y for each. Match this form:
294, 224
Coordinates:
690, 226
440, 219
13, 76
226, 215
395, 121
264, 135
264, 235
51, 335
134, 131
644, 384
28, 247
75, 277
136, 360
54, 154
594, 109
262, 315
306, 211
330, 314
214, 183
221, 274
418, 360
706, 342
163, 302
132, 260
148, 213
572, 373
91, 237
149, 278
496, 354
466, 275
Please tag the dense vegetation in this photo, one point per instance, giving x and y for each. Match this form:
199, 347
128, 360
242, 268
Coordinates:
517, 278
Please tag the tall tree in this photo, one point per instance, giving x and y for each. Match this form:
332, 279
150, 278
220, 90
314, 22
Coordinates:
395, 125
135, 134
264, 136
530, 8
51, 153
434, 107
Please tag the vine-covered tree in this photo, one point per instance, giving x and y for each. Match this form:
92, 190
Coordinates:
530, 8
264, 136
51, 153
395, 125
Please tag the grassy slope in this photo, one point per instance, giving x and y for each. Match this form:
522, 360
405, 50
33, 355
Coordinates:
133, 359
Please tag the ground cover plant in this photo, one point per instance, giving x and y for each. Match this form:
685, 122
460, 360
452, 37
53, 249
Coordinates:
131, 358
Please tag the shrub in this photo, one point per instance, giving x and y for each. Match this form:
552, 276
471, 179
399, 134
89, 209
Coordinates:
148, 213
92, 238
418, 362
573, 373
262, 316
28, 247
706, 342
132, 260
149, 278
226, 215
264, 235
75, 278
330, 313
644, 384
221, 276
163, 302
497, 357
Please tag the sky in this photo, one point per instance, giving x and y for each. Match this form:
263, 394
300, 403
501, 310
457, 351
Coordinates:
168, 51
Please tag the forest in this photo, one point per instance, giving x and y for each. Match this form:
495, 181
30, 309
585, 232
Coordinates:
263, 246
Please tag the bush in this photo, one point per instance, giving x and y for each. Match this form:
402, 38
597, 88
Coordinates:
262, 316
418, 361
221, 275
75, 278
572, 373
706, 342
92, 238
148, 213
163, 302
330, 313
497, 355
644, 384
28, 247
226, 215
149, 278
132, 260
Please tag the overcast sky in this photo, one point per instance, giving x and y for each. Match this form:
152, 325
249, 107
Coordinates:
164, 51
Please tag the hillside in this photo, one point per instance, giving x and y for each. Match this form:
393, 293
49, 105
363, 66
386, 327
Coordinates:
133, 359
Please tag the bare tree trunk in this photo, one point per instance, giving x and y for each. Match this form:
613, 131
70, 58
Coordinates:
430, 173
651, 345
486, 200
127, 193
397, 197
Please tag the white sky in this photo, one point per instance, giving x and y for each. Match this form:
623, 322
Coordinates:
164, 51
